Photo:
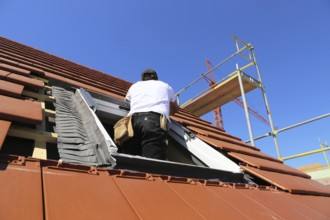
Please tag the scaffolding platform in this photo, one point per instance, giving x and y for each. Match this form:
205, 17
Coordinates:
222, 93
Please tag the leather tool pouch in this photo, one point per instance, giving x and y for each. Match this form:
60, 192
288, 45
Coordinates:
123, 130
163, 122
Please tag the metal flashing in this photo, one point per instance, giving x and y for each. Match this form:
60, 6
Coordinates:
81, 137
109, 107
205, 153
161, 167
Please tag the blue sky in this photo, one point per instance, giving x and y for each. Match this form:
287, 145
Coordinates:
122, 38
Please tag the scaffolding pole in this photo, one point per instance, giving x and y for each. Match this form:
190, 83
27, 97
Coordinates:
275, 132
322, 144
245, 105
266, 105
210, 70
252, 57
305, 154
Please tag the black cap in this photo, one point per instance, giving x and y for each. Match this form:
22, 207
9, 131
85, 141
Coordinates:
149, 74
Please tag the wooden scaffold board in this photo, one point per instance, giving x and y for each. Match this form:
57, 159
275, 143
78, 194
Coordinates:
220, 94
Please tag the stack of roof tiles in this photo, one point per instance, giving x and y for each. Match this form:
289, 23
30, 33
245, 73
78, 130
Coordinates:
32, 188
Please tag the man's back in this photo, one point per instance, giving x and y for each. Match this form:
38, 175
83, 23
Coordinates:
150, 99
150, 96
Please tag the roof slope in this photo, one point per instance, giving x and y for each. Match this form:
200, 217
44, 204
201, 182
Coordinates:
25, 81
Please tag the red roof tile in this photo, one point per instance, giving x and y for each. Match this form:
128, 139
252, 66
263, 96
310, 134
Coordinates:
79, 192
74, 192
265, 164
58, 66
21, 191
26, 81
293, 184
20, 110
22, 66
286, 206
234, 148
218, 136
317, 203
10, 89
14, 69
77, 195
79, 84
198, 124
4, 128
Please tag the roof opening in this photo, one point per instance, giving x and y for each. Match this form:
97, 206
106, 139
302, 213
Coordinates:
186, 155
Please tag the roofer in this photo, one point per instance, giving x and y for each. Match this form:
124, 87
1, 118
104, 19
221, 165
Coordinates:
151, 103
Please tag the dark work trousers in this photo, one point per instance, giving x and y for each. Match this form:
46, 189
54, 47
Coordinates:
149, 139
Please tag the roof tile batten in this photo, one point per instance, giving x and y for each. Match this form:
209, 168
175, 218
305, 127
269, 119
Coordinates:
20, 110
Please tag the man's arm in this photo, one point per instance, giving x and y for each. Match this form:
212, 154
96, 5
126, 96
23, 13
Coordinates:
174, 107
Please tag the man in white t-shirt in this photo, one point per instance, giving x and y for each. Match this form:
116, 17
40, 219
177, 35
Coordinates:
150, 99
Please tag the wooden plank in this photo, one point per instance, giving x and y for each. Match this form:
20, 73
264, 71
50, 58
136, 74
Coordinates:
38, 96
221, 94
40, 148
32, 134
49, 113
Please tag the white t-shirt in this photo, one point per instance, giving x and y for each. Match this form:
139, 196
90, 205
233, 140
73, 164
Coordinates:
150, 96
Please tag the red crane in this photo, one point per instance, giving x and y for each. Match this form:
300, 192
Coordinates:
217, 112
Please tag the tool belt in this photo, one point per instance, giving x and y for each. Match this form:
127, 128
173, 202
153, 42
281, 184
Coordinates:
163, 122
123, 130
